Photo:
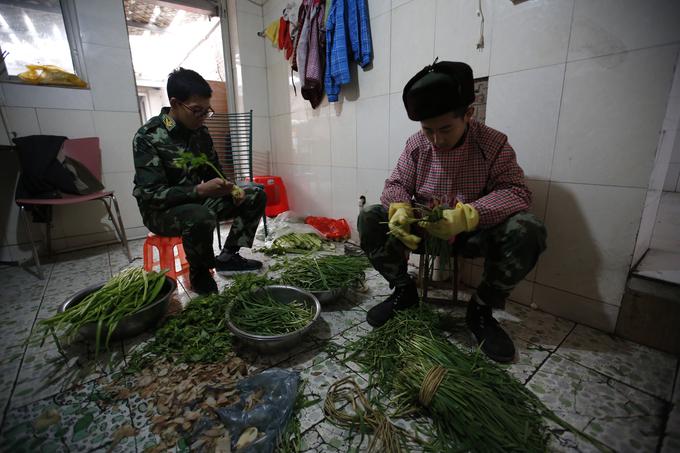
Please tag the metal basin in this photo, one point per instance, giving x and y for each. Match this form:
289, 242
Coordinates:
328, 296
274, 343
131, 325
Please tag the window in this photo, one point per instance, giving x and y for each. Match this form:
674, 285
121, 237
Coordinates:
38, 32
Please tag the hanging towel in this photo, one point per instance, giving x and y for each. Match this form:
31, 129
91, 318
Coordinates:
272, 32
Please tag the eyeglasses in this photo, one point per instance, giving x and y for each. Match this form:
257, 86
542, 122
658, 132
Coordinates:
199, 113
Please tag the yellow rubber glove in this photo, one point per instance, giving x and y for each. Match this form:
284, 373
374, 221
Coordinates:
463, 217
398, 215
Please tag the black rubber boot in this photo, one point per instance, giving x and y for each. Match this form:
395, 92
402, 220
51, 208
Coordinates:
227, 264
494, 341
403, 297
202, 282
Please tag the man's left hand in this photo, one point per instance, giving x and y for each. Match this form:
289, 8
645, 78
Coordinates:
464, 217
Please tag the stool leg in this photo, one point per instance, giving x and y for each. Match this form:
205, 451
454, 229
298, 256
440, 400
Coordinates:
168, 260
455, 278
148, 256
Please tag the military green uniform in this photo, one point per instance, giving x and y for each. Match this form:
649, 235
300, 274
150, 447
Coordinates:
510, 248
167, 196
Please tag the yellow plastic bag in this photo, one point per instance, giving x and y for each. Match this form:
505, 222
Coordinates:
50, 75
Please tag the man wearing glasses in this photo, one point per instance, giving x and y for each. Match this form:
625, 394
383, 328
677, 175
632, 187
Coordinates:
189, 202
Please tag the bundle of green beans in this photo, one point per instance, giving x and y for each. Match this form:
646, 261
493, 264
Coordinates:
475, 405
322, 273
260, 314
123, 295
297, 243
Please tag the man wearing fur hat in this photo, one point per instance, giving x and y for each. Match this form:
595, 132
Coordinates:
456, 159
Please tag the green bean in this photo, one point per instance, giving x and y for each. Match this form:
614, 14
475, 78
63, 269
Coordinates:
260, 314
123, 295
322, 273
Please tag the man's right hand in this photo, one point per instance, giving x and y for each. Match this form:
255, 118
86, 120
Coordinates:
216, 187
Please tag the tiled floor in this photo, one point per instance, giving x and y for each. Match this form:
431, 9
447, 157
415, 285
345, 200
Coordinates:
624, 394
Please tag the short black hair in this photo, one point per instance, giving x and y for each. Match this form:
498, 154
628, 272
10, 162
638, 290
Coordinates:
184, 83
460, 111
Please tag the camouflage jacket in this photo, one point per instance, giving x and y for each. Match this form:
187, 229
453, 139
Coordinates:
160, 185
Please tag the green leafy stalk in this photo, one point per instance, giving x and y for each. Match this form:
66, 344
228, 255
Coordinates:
188, 160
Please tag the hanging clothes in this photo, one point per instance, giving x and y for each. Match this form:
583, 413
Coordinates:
284, 42
347, 29
272, 32
312, 87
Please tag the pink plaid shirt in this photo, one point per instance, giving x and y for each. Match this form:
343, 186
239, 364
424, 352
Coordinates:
483, 171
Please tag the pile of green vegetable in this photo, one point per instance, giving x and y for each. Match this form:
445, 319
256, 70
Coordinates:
199, 333
322, 273
123, 295
259, 314
297, 243
474, 404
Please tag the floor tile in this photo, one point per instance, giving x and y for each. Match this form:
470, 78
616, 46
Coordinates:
639, 366
70, 421
535, 326
620, 416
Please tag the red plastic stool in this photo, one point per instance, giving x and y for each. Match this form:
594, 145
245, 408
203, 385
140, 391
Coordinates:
277, 200
170, 249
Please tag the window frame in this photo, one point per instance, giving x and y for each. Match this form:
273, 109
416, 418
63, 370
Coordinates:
72, 29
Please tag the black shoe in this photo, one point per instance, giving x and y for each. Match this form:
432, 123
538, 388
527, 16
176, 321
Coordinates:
403, 297
230, 264
202, 282
495, 342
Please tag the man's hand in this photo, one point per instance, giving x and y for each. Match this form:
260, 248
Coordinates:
398, 215
238, 194
216, 187
463, 217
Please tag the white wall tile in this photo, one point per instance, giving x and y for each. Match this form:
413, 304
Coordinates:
18, 95
591, 235
311, 137
536, 93
308, 188
672, 178
411, 52
116, 131
371, 183
251, 46
372, 132
398, 3
644, 236
111, 79
401, 128
664, 153
255, 90
282, 99
282, 138
82, 218
576, 308
378, 7
69, 123
603, 27
22, 121
458, 32
608, 126
345, 198
261, 134
374, 80
539, 192
343, 123
102, 22
247, 6
529, 34
122, 184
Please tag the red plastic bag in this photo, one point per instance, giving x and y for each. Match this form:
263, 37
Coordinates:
334, 229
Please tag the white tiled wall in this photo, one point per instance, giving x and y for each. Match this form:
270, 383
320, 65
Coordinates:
580, 87
107, 109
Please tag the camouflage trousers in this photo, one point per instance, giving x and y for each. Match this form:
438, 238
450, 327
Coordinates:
510, 249
195, 223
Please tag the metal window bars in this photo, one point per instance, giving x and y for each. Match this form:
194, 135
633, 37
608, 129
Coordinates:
232, 135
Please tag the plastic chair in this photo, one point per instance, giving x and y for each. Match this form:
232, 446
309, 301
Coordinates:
277, 199
87, 152
167, 256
